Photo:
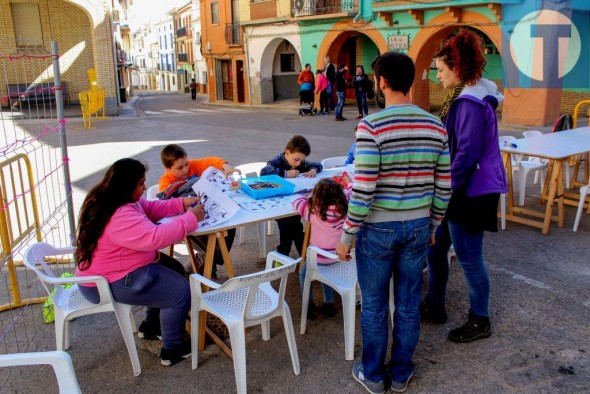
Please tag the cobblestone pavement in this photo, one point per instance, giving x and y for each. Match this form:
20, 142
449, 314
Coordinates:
540, 293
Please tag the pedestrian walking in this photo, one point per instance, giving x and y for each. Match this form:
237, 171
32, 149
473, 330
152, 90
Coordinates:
394, 210
193, 87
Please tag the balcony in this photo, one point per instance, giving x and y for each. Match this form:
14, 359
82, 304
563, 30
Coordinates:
322, 7
182, 57
181, 32
233, 34
123, 58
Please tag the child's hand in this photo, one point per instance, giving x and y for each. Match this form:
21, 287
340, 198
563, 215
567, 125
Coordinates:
190, 201
199, 211
310, 174
292, 173
228, 169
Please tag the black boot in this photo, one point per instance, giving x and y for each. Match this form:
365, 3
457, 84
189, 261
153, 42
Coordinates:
432, 313
476, 327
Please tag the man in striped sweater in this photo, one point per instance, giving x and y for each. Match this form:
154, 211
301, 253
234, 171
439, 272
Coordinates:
400, 193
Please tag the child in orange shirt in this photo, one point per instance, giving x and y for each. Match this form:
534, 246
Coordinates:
180, 168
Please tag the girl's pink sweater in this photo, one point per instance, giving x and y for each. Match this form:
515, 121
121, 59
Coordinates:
324, 234
131, 239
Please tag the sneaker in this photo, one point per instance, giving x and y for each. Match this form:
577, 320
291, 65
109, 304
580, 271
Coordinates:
475, 328
359, 117
328, 310
169, 357
338, 119
400, 387
433, 313
359, 376
146, 332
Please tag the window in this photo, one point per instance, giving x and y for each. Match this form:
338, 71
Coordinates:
27, 24
215, 13
287, 62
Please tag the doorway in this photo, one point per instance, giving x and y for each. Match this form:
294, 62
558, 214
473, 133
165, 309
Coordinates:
224, 80
240, 80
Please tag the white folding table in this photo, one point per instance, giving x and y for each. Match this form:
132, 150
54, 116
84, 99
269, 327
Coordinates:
557, 148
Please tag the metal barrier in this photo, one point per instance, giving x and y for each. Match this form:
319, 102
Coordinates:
577, 110
92, 102
16, 221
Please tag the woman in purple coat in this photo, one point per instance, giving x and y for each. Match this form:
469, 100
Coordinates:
478, 178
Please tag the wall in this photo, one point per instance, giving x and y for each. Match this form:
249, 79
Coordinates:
262, 43
71, 27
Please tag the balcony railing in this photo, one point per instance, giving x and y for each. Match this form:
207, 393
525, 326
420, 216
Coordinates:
321, 7
183, 57
233, 33
181, 32
122, 57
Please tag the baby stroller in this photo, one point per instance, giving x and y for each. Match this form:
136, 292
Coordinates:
306, 99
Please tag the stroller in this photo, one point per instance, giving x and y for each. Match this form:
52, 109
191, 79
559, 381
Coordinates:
306, 99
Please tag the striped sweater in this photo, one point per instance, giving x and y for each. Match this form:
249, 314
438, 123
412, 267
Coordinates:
402, 169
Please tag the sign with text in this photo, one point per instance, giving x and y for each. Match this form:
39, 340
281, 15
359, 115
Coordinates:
397, 42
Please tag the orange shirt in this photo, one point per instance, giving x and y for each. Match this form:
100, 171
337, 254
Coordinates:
305, 76
195, 167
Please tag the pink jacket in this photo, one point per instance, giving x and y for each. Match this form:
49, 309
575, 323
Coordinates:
131, 239
322, 83
324, 234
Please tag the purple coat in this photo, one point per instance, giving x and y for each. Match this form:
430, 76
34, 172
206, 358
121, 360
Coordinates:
476, 161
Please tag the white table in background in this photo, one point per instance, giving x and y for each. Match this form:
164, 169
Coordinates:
557, 148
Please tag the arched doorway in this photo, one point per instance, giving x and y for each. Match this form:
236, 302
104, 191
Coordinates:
428, 40
353, 49
279, 67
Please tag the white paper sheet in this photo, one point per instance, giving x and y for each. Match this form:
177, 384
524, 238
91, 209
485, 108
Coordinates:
218, 206
217, 178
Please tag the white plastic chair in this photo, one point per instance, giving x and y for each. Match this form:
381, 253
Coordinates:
331, 162
583, 194
566, 166
151, 192
245, 301
69, 303
524, 167
59, 360
253, 170
341, 276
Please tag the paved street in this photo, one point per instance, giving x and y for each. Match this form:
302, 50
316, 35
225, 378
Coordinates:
540, 294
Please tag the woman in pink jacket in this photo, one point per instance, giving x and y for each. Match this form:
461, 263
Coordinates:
118, 238
322, 90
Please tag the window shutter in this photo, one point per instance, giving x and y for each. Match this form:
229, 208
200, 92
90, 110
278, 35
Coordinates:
27, 24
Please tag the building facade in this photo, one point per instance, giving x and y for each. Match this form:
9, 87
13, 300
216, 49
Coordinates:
85, 31
223, 50
184, 45
167, 77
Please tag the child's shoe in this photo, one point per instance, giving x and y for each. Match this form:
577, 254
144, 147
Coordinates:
328, 310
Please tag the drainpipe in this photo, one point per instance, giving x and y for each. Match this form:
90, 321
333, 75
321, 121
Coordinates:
358, 15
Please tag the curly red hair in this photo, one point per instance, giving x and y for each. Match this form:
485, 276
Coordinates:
464, 54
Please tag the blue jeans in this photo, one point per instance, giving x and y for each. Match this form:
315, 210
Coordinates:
166, 294
340, 104
328, 291
330, 95
469, 249
361, 102
384, 250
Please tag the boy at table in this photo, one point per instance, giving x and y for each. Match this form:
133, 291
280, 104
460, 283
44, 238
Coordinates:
290, 164
180, 169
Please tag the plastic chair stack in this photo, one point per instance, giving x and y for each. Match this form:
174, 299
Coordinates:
341, 276
69, 303
242, 302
